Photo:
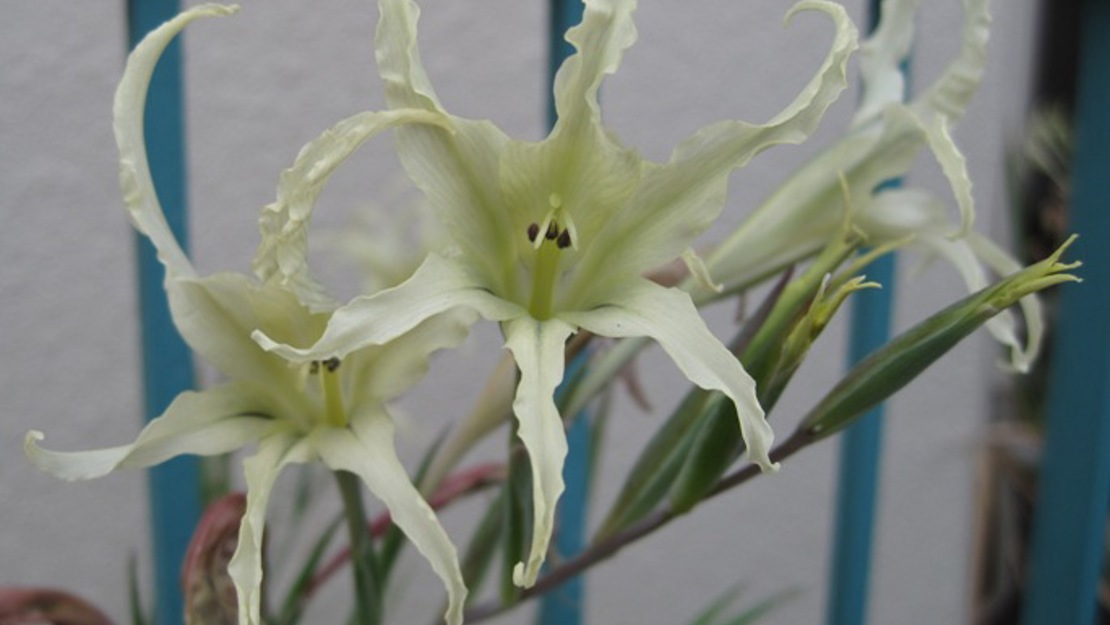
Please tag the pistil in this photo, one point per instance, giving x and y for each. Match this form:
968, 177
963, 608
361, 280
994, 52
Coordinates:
334, 414
543, 280
549, 238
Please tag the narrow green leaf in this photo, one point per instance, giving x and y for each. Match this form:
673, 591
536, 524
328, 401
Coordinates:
134, 595
295, 598
517, 514
650, 478
710, 615
776, 351
714, 447
369, 589
603, 407
765, 607
901, 360
215, 478
719, 605
804, 333
763, 353
483, 545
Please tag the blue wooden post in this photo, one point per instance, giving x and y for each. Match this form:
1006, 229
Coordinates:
167, 363
1070, 522
860, 449
564, 605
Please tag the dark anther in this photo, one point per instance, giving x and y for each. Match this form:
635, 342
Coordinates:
533, 232
331, 364
564, 240
314, 367
552, 230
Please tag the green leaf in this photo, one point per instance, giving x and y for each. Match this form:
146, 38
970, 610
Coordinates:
763, 608
650, 478
215, 478
517, 515
134, 595
750, 615
602, 410
720, 604
483, 544
369, 590
901, 360
714, 447
797, 318
295, 598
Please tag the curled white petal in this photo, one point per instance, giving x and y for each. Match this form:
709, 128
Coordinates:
676, 201
537, 347
669, 316
204, 423
700, 272
130, 102
261, 471
881, 57
283, 251
367, 450
951, 93
436, 287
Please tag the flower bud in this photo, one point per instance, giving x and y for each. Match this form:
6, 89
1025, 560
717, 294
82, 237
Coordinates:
210, 597
893, 366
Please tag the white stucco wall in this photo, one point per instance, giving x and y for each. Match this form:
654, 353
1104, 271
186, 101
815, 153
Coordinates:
263, 83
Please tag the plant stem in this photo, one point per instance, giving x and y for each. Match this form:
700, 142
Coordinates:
609, 547
368, 590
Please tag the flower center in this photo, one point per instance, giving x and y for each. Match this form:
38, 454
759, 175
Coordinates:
549, 238
327, 372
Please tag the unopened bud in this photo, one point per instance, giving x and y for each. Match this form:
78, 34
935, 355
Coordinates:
904, 358
210, 597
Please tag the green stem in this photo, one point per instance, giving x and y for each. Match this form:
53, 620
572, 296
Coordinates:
368, 590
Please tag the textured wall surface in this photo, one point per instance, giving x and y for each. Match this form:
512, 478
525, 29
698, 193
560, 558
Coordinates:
263, 83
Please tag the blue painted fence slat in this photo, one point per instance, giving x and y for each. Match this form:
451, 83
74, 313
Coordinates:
860, 449
1070, 523
858, 477
563, 606
167, 363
